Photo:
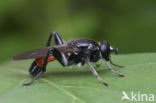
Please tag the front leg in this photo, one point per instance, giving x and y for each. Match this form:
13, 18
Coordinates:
115, 64
108, 66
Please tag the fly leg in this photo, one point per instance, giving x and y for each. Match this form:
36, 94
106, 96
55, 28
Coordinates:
34, 68
61, 57
116, 52
49, 40
115, 64
43, 69
96, 74
108, 66
98, 65
58, 39
37, 71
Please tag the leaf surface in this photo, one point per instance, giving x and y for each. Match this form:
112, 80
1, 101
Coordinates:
78, 85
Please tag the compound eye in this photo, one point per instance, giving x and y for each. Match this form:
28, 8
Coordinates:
105, 49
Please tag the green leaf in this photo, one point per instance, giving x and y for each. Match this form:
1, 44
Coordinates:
78, 85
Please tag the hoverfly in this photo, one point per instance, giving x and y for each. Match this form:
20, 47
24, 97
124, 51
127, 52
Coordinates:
80, 51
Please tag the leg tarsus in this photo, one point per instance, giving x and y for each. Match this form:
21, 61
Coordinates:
35, 78
121, 75
96, 74
108, 66
116, 64
98, 65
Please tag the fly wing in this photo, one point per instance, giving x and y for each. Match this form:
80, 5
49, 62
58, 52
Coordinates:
39, 53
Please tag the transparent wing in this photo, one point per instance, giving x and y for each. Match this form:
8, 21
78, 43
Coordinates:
39, 53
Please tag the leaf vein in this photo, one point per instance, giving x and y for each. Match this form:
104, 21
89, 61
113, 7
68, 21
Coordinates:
13, 89
65, 91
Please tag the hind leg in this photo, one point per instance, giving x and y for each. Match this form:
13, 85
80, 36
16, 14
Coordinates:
35, 69
57, 54
42, 70
57, 38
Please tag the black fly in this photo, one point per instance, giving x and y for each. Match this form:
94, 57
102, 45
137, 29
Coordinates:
81, 51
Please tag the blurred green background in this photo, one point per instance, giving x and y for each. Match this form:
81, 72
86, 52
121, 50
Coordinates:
129, 25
